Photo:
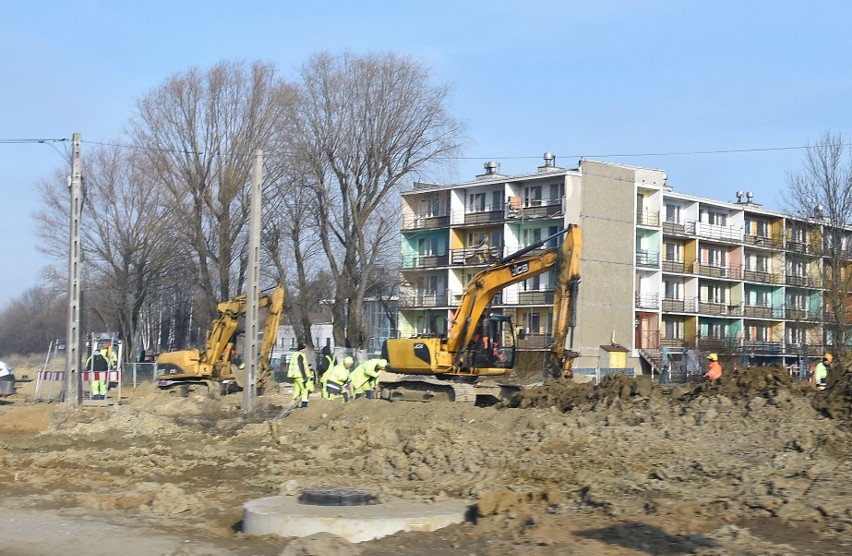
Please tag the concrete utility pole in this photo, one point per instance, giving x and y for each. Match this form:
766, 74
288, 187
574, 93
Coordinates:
252, 316
73, 393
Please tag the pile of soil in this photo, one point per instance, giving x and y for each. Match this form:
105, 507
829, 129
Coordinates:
752, 464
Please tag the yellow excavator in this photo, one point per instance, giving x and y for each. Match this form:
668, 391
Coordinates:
212, 367
481, 345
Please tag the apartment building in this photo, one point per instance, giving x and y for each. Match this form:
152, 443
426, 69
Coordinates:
660, 270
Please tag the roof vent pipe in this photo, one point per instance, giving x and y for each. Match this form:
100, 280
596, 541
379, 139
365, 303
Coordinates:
549, 160
491, 167
750, 196
740, 196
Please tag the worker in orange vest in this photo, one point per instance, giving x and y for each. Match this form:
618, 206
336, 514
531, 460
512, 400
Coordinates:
714, 371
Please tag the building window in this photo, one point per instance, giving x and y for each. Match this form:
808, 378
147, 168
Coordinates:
673, 213
674, 251
497, 200
534, 323
532, 196
476, 202
673, 329
557, 191
673, 289
531, 235
715, 330
715, 256
717, 218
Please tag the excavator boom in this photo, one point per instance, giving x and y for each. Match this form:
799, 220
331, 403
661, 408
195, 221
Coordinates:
213, 364
463, 352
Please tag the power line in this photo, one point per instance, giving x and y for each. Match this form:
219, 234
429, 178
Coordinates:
23, 141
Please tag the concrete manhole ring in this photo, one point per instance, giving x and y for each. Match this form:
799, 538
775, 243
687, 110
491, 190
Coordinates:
338, 496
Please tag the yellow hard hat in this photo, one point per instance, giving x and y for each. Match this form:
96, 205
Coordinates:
713, 357
348, 361
383, 363
828, 357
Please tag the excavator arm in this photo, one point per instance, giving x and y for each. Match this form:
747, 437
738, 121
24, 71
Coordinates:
562, 357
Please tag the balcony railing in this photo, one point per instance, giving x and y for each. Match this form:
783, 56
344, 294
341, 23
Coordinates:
424, 299
648, 301
673, 266
713, 231
417, 222
535, 208
679, 228
475, 255
763, 241
648, 258
675, 306
762, 312
793, 313
799, 281
799, 247
424, 261
648, 217
534, 340
761, 276
715, 271
542, 297
762, 346
712, 308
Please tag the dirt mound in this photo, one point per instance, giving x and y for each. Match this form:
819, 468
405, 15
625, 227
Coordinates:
749, 383
566, 395
836, 401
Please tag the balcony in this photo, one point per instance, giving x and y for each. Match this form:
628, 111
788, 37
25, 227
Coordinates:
762, 241
648, 218
761, 276
715, 309
674, 266
534, 208
679, 228
424, 261
484, 217
543, 297
647, 301
799, 281
425, 222
762, 346
716, 271
534, 341
799, 247
720, 233
791, 313
475, 255
648, 258
760, 312
675, 306
424, 299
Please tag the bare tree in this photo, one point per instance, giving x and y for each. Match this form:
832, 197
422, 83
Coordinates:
29, 323
199, 131
821, 194
125, 238
363, 125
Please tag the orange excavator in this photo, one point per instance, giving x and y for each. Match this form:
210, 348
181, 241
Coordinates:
212, 367
479, 344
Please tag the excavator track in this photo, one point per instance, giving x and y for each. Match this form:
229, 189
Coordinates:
397, 387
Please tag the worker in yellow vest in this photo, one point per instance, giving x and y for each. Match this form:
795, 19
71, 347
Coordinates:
336, 379
302, 375
365, 377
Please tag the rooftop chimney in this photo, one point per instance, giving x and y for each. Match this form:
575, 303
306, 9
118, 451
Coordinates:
750, 196
740, 196
491, 167
549, 160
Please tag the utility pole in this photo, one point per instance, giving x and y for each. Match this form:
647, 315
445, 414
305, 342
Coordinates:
73, 393
252, 316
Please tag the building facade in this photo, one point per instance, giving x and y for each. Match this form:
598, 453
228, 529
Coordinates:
661, 272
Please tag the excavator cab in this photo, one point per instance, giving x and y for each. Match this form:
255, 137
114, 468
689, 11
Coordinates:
493, 343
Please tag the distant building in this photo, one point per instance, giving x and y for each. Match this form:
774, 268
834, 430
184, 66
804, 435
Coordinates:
660, 270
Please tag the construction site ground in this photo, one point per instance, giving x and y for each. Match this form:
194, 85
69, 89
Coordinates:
754, 464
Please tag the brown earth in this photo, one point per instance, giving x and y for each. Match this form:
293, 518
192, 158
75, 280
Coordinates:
753, 464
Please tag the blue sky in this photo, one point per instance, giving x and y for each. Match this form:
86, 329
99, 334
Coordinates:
577, 78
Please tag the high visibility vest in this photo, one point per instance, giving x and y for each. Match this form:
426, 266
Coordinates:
365, 376
296, 370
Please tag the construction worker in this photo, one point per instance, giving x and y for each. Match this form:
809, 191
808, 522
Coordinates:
98, 367
821, 371
335, 380
365, 377
302, 375
714, 371
109, 355
325, 363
